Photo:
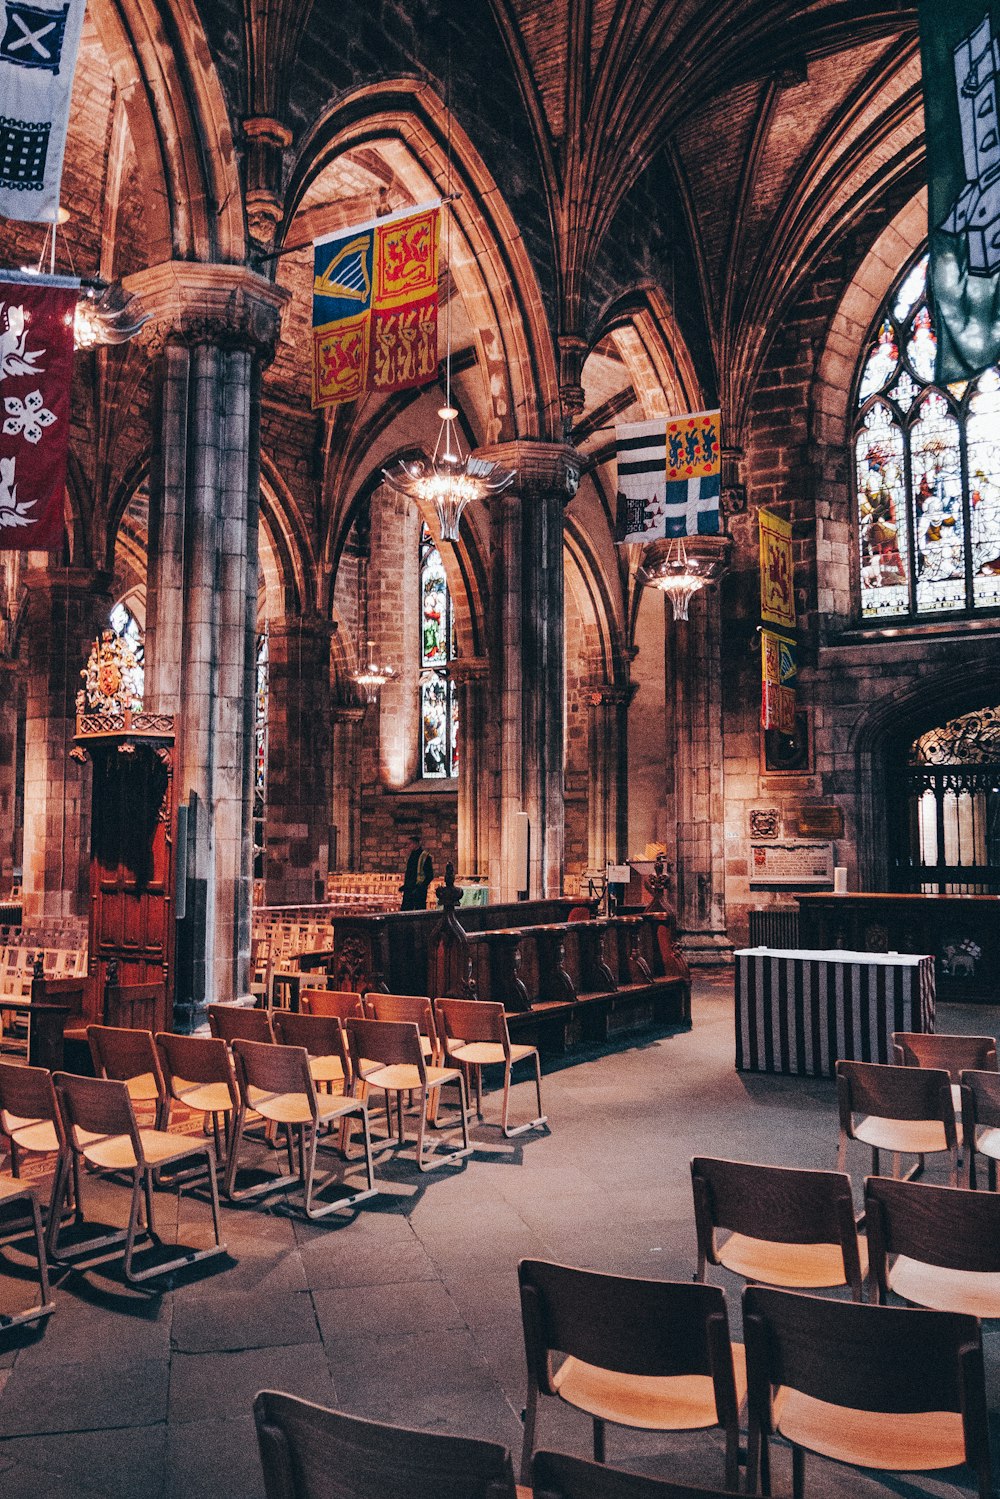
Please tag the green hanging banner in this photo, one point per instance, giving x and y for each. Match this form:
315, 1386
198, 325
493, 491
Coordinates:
960, 48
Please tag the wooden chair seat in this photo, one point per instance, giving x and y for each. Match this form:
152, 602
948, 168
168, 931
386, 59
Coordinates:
988, 1143
682, 1402
144, 1089
203, 1098
326, 1069
402, 1076
909, 1441
975, 1292
116, 1152
909, 1136
487, 1053
796, 1266
34, 1134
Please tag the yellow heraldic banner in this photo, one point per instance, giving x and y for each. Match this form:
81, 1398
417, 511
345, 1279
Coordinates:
375, 306
777, 582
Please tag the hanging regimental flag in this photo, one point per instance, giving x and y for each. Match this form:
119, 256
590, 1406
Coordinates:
777, 577
38, 47
960, 49
375, 306
779, 678
36, 372
669, 477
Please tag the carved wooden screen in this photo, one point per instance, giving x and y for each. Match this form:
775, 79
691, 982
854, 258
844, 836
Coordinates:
948, 819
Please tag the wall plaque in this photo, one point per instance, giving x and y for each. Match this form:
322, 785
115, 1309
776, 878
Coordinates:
820, 822
765, 822
798, 863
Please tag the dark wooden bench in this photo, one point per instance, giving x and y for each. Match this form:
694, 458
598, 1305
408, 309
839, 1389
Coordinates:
61, 1010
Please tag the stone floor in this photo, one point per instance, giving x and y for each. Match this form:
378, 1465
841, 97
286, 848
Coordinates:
408, 1311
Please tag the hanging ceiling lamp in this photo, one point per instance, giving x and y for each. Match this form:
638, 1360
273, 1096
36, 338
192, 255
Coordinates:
371, 677
678, 575
105, 312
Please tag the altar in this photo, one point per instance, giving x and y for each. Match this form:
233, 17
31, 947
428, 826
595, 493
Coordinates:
799, 1011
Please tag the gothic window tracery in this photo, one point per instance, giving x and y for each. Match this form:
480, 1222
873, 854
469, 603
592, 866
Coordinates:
927, 472
438, 707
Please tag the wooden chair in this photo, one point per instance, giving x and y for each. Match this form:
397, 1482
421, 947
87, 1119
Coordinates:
238, 1023
952, 1054
302, 1445
31, 1120
872, 1386
908, 1110
474, 1032
322, 1037
787, 1227
101, 1130
414, 1008
389, 1055
650, 1354
198, 1072
981, 1121
944, 1241
343, 1004
275, 1082
12, 1191
130, 1057
554, 1475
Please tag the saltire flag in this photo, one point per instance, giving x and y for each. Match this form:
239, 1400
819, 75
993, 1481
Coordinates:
779, 677
669, 477
777, 570
36, 373
38, 46
960, 51
375, 306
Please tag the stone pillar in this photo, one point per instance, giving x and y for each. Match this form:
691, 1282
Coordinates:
607, 786
11, 753
527, 588
299, 735
66, 609
345, 801
213, 327
694, 689
470, 674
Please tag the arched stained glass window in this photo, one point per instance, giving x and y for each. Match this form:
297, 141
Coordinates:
260, 756
129, 631
438, 707
927, 472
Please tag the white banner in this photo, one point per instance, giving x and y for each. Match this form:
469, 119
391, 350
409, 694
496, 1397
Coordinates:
38, 46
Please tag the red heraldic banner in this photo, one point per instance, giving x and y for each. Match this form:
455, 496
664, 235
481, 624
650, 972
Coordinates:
36, 372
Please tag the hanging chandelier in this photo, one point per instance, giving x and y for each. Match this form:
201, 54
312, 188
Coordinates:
371, 677
106, 314
677, 575
451, 478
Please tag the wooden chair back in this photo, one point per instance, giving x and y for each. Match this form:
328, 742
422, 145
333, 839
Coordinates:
784, 1204
237, 1023
96, 1106
27, 1093
473, 1020
891, 1092
124, 1054
555, 1475
981, 1099
868, 1358
342, 1004
649, 1327
319, 1035
307, 1452
952, 1054
196, 1059
267, 1068
390, 1043
947, 1226
415, 1009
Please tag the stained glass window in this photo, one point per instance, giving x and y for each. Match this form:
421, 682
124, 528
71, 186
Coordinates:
260, 757
438, 709
129, 631
927, 471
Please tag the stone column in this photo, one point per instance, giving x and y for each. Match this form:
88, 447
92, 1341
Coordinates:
527, 588
607, 787
66, 609
345, 801
694, 688
299, 735
470, 674
11, 751
213, 327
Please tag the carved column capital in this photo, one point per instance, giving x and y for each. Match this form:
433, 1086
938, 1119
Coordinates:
540, 468
192, 303
267, 140
468, 669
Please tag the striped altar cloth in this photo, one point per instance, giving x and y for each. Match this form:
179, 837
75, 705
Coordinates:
799, 1012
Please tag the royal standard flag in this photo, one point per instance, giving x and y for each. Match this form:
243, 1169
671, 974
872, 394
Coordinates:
669, 476
960, 49
779, 679
375, 306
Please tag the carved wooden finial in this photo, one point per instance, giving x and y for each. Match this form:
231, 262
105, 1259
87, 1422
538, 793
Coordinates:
657, 883
449, 894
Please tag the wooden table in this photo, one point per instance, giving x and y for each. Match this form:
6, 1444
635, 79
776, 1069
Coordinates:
798, 1011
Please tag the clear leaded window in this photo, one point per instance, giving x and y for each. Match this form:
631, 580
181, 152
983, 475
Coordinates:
438, 708
927, 471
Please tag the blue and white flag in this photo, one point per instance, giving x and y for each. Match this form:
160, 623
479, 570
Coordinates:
669, 478
38, 46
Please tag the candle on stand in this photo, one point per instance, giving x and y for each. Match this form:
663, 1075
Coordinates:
840, 880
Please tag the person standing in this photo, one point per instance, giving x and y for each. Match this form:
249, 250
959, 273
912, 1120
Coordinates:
418, 876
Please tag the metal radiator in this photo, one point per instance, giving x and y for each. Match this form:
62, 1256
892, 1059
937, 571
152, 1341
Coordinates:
774, 926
